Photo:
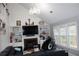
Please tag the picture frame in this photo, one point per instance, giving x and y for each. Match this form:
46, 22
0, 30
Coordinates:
18, 23
2, 25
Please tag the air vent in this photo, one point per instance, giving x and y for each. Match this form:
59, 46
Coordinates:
51, 11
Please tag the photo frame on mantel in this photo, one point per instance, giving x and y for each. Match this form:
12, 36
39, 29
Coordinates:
18, 23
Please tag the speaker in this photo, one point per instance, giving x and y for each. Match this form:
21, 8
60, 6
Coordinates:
48, 44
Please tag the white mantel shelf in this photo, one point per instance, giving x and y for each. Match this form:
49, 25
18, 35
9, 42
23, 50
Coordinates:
30, 37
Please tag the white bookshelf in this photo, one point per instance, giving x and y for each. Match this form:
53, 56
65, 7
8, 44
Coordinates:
43, 28
17, 39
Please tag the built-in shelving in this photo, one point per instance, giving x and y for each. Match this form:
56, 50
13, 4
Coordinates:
18, 34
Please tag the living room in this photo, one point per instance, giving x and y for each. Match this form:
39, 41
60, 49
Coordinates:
39, 29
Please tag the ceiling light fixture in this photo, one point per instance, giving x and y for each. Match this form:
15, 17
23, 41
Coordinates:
34, 10
38, 7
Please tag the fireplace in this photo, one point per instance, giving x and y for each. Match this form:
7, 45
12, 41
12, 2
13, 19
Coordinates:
30, 43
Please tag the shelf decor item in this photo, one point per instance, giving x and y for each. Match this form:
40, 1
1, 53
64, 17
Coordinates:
18, 23
18, 38
41, 22
32, 23
26, 23
29, 22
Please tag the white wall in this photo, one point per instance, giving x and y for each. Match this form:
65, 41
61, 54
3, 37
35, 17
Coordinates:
18, 12
4, 38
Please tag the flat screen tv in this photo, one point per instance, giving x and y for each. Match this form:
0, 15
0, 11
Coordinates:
30, 30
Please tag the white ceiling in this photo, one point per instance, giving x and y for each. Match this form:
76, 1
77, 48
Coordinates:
61, 11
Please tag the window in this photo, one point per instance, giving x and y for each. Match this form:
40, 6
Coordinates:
66, 35
72, 36
63, 36
56, 36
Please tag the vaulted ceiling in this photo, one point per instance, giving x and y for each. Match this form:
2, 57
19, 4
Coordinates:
59, 11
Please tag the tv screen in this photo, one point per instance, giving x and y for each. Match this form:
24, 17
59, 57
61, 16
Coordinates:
30, 30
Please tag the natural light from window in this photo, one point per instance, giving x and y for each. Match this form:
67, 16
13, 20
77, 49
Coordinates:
66, 35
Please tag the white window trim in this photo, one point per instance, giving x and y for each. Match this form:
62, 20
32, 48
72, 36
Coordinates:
66, 25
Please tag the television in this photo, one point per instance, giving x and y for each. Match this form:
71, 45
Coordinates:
30, 30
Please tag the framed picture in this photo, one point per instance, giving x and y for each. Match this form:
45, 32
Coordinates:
18, 23
2, 25
17, 34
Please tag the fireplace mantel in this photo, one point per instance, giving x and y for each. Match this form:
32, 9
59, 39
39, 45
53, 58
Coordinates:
30, 37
